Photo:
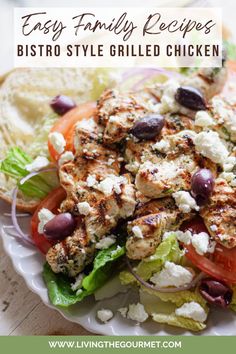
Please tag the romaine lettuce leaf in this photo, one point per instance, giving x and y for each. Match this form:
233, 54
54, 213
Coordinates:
59, 286
168, 250
102, 267
14, 166
178, 321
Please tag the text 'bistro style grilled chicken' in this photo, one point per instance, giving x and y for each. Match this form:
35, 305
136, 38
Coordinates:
135, 161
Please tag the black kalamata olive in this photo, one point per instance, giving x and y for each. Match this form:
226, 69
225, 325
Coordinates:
202, 185
148, 127
61, 226
216, 292
191, 98
62, 104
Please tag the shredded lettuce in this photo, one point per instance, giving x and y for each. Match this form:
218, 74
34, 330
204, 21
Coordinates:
178, 298
59, 286
178, 321
14, 166
168, 250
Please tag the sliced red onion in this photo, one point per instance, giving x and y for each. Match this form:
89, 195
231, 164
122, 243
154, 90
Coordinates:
147, 73
32, 174
22, 235
192, 284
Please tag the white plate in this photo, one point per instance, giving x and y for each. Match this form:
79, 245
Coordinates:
28, 262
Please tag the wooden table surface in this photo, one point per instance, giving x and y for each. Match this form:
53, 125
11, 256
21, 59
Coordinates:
22, 312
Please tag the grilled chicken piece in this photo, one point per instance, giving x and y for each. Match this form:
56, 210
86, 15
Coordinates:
152, 220
138, 152
118, 112
171, 172
110, 197
210, 81
220, 214
71, 255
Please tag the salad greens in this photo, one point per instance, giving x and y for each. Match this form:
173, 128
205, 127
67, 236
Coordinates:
178, 321
59, 286
14, 166
168, 250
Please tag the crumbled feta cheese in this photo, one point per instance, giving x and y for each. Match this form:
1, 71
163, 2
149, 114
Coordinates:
84, 208
58, 142
137, 312
110, 183
228, 176
233, 182
106, 242
86, 124
200, 242
203, 119
113, 119
162, 146
172, 275
192, 310
185, 237
78, 282
91, 181
213, 228
137, 232
168, 102
44, 216
210, 145
123, 311
185, 201
229, 163
104, 315
37, 164
66, 157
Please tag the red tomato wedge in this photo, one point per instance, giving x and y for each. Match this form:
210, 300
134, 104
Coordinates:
221, 264
51, 202
65, 125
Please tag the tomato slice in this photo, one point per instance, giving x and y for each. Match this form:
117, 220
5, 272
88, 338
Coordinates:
51, 202
65, 125
221, 265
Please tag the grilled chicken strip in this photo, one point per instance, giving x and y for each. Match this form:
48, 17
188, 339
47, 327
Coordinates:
118, 112
93, 179
171, 172
220, 214
152, 220
137, 153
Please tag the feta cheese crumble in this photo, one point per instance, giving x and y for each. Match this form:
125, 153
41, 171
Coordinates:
172, 275
168, 102
203, 119
192, 310
162, 146
229, 163
210, 145
84, 208
201, 242
106, 242
58, 142
37, 164
123, 311
137, 232
44, 216
104, 315
111, 183
66, 157
137, 312
91, 181
185, 201
78, 282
